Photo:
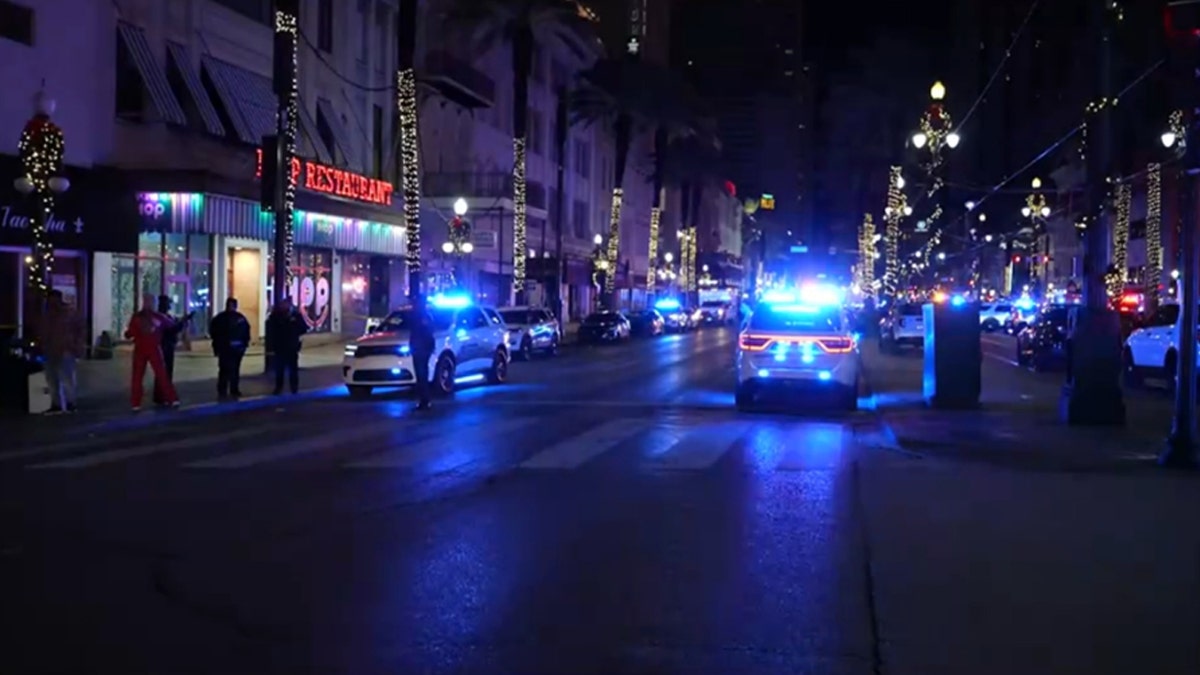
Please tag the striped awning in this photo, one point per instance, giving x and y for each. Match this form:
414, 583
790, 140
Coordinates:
154, 77
224, 86
308, 131
341, 138
181, 60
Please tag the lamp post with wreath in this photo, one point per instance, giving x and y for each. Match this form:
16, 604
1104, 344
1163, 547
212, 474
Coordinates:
41, 151
458, 242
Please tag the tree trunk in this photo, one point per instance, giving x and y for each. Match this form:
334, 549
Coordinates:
685, 213
623, 131
694, 242
522, 63
561, 125
660, 150
406, 103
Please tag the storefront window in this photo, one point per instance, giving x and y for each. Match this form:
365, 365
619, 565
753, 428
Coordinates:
150, 278
150, 245
200, 301
311, 272
125, 297
356, 293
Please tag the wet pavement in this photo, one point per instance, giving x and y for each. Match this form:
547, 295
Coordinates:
606, 511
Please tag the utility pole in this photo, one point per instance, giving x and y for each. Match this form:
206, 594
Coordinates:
1092, 395
279, 150
1183, 18
561, 129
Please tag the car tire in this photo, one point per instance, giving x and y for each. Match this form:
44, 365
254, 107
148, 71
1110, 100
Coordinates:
1130, 374
991, 326
1170, 371
743, 399
526, 349
443, 377
552, 350
498, 373
358, 392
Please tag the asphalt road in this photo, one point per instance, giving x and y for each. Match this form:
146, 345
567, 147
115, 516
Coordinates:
605, 512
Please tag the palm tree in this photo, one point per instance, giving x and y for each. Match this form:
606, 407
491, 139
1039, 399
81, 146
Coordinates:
406, 103
692, 163
522, 24
631, 96
696, 138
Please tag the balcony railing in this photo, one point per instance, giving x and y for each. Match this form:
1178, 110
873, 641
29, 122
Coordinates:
458, 80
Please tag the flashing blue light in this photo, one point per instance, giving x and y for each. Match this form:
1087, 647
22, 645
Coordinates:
462, 333
821, 294
824, 375
450, 301
668, 304
797, 309
763, 373
1025, 302
395, 371
404, 350
775, 297
958, 301
468, 379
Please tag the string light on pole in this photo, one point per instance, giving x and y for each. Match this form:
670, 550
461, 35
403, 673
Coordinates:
614, 251
1118, 273
406, 104
41, 151
1154, 248
285, 23
519, 216
866, 255
652, 254
895, 211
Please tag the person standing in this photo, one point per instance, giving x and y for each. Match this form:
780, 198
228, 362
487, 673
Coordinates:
170, 340
146, 330
421, 345
230, 333
61, 335
285, 327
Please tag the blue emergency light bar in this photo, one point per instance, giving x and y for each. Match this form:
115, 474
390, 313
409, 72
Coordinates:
821, 294
456, 301
776, 297
667, 304
1025, 302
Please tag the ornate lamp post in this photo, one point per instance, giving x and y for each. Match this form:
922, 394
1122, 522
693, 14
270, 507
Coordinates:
41, 151
600, 265
934, 136
1180, 451
458, 243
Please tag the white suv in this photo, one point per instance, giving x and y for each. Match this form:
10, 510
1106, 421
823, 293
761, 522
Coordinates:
470, 345
993, 317
1153, 349
904, 325
530, 330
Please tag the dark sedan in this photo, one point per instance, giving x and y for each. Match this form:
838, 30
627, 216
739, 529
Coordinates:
601, 327
647, 323
1041, 344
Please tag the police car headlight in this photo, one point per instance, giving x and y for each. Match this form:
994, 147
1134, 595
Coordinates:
351, 350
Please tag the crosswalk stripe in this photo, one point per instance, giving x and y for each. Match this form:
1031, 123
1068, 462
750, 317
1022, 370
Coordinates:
812, 446
702, 447
287, 449
415, 454
188, 443
573, 452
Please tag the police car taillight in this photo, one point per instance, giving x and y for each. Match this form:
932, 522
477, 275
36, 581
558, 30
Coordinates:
754, 343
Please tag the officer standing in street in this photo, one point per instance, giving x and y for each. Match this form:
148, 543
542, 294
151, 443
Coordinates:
230, 333
421, 344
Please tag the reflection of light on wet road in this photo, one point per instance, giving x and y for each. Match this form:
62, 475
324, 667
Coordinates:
794, 446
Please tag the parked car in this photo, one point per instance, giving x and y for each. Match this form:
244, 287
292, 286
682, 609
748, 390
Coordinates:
646, 323
903, 325
604, 327
992, 317
531, 330
1042, 344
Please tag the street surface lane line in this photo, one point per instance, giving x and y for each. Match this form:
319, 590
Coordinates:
188, 443
290, 448
701, 448
574, 452
457, 445
812, 446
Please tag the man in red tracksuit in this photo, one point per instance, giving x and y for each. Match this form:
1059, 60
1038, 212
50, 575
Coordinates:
146, 330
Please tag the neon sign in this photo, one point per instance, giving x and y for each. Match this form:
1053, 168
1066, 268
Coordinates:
317, 177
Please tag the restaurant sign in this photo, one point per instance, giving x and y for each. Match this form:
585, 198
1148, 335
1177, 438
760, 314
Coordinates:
325, 179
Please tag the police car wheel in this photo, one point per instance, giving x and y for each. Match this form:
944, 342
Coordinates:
552, 350
526, 351
359, 392
1133, 376
498, 373
443, 377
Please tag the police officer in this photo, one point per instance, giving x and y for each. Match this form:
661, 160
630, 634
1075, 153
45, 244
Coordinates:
420, 344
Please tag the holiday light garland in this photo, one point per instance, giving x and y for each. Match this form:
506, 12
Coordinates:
683, 259
406, 104
652, 253
520, 233
614, 235
1154, 247
286, 23
41, 151
891, 234
866, 255
691, 258
1118, 274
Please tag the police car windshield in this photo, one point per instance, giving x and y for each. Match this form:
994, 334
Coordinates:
822, 320
402, 320
520, 317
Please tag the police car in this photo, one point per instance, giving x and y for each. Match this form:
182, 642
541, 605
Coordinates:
532, 329
798, 340
470, 345
675, 315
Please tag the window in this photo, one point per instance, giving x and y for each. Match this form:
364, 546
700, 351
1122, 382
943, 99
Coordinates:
377, 139
493, 316
259, 10
583, 159
829, 320
535, 132
579, 219
325, 131
325, 25
16, 23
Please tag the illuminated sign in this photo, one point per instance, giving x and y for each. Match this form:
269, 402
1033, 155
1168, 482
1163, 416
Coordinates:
767, 203
317, 177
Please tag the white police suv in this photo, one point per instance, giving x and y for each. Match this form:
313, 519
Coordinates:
470, 345
798, 340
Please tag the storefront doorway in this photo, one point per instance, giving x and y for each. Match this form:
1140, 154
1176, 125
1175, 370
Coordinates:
245, 284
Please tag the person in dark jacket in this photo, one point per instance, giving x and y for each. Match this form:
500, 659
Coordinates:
170, 340
285, 327
421, 344
230, 333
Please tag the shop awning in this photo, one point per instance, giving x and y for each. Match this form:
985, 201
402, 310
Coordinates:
340, 137
153, 77
181, 61
226, 92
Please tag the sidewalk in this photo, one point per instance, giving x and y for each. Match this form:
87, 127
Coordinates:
1017, 422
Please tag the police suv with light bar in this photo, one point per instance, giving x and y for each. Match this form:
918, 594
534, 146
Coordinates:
470, 345
798, 340
675, 315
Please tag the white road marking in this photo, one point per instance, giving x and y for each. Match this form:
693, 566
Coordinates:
411, 455
288, 449
574, 452
702, 447
186, 443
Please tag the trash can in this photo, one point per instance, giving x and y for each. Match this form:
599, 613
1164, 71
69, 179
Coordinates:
953, 355
23, 387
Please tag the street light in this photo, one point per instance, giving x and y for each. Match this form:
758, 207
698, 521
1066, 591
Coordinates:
938, 91
970, 206
919, 140
467, 247
941, 256
1026, 211
908, 210
448, 247
952, 139
987, 238
669, 257
1036, 183
597, 240
460, 207
1045, 211
1168, 139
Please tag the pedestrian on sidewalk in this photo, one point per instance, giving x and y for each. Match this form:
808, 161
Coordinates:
285, 327
230, 333
421, 344
146, 330
170, 340
60, 331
